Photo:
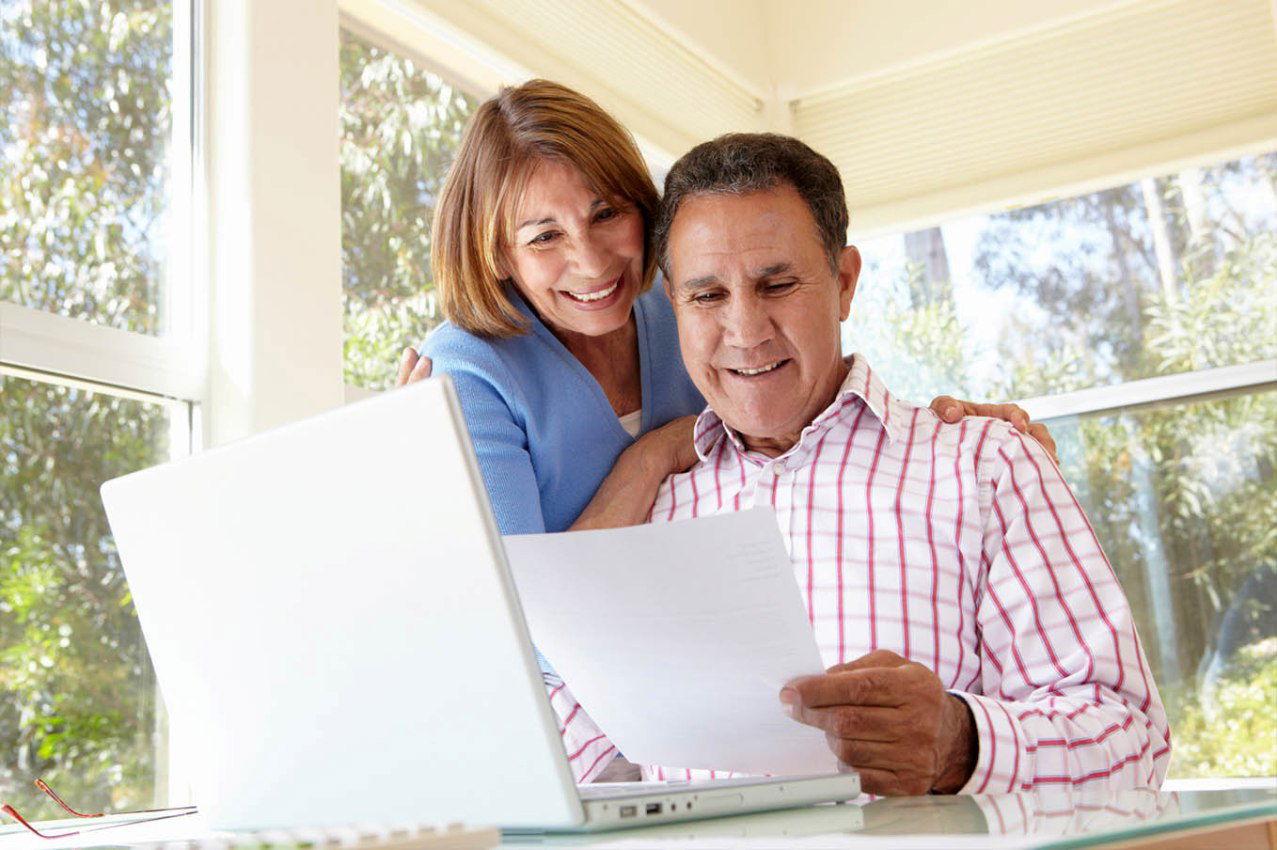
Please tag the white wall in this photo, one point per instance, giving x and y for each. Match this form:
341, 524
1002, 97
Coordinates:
274, 220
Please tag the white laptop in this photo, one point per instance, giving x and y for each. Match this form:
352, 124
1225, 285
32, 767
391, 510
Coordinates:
337, 639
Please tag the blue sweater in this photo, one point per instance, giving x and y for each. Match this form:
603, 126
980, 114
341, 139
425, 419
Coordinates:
542, 428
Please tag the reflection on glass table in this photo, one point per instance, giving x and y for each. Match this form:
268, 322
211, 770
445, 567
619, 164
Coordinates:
1054, 819
1047, 820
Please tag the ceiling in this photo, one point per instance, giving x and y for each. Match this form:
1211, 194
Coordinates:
930, 109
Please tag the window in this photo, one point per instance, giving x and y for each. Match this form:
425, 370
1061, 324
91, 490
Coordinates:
95, 165
1143, 318
1184, 499
400, 127
85, 92
80, 702
1166, 276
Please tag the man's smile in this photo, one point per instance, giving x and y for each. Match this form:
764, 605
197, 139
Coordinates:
752, 371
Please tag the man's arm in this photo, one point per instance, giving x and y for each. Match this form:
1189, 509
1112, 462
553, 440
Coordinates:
1064, 697
1066, 694
589, 751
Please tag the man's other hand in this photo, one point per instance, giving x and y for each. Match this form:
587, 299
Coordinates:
892, 720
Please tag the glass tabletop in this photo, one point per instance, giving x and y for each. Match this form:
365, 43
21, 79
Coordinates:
1065, 818
1055, 819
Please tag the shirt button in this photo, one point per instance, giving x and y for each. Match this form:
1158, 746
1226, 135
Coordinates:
778, 468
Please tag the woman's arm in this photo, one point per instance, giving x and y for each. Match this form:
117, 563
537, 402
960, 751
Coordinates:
499, 444
625, 497
500, 447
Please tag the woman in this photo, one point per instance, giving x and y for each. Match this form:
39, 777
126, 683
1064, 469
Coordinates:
564, 355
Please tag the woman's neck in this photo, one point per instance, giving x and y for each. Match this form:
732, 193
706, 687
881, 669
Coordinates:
613, 360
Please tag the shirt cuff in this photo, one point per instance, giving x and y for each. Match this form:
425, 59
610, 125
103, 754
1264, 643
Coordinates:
999, 760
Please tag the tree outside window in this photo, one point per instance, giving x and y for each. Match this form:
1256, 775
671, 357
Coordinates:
400, 128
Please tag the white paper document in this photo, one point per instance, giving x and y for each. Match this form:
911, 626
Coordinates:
677, 638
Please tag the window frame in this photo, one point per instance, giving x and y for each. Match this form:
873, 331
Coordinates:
1180, 388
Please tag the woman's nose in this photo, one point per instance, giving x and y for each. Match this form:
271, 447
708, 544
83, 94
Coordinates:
592, 257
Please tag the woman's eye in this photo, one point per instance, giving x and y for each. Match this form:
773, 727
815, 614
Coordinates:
543, 238
606, 213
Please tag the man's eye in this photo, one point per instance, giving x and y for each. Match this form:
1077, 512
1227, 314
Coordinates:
707, 297
779, 288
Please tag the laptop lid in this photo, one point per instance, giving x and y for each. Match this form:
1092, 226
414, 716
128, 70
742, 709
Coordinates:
333, 627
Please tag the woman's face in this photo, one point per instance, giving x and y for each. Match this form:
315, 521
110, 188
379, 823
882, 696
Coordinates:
575, 258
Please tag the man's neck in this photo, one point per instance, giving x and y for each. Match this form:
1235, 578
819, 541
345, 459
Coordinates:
777, 445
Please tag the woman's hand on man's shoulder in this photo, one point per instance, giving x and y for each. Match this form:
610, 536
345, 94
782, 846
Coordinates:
412, 368
951, 410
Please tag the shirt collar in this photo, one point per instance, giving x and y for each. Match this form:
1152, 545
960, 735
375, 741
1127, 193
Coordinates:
862, 385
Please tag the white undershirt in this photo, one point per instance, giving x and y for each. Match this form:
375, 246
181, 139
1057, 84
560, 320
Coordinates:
631, 422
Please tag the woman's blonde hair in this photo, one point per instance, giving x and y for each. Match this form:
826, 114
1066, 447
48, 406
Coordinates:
474, 215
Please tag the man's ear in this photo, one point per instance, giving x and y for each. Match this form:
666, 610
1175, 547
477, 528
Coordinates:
848, 274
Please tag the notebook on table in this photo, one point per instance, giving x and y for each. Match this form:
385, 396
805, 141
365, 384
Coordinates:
337, 638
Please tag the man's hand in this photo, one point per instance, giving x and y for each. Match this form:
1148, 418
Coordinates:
891, 720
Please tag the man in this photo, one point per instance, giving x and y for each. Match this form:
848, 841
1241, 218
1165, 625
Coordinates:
977, 636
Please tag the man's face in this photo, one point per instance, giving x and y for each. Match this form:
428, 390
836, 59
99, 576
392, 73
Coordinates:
758, 310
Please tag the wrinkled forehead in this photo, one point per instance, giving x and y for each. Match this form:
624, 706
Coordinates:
525, 170
750, 232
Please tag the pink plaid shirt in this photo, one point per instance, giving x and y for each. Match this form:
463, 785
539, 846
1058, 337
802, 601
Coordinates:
959, 547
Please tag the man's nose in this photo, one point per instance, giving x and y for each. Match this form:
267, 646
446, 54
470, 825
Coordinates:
746, 322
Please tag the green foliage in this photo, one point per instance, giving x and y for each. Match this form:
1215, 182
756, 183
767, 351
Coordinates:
1229, 317
1187, 491
400, 129
923, 343
84, 88
1074, 259
1234, 731
79, 706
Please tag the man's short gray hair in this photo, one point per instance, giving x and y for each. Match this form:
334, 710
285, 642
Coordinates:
743, 163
